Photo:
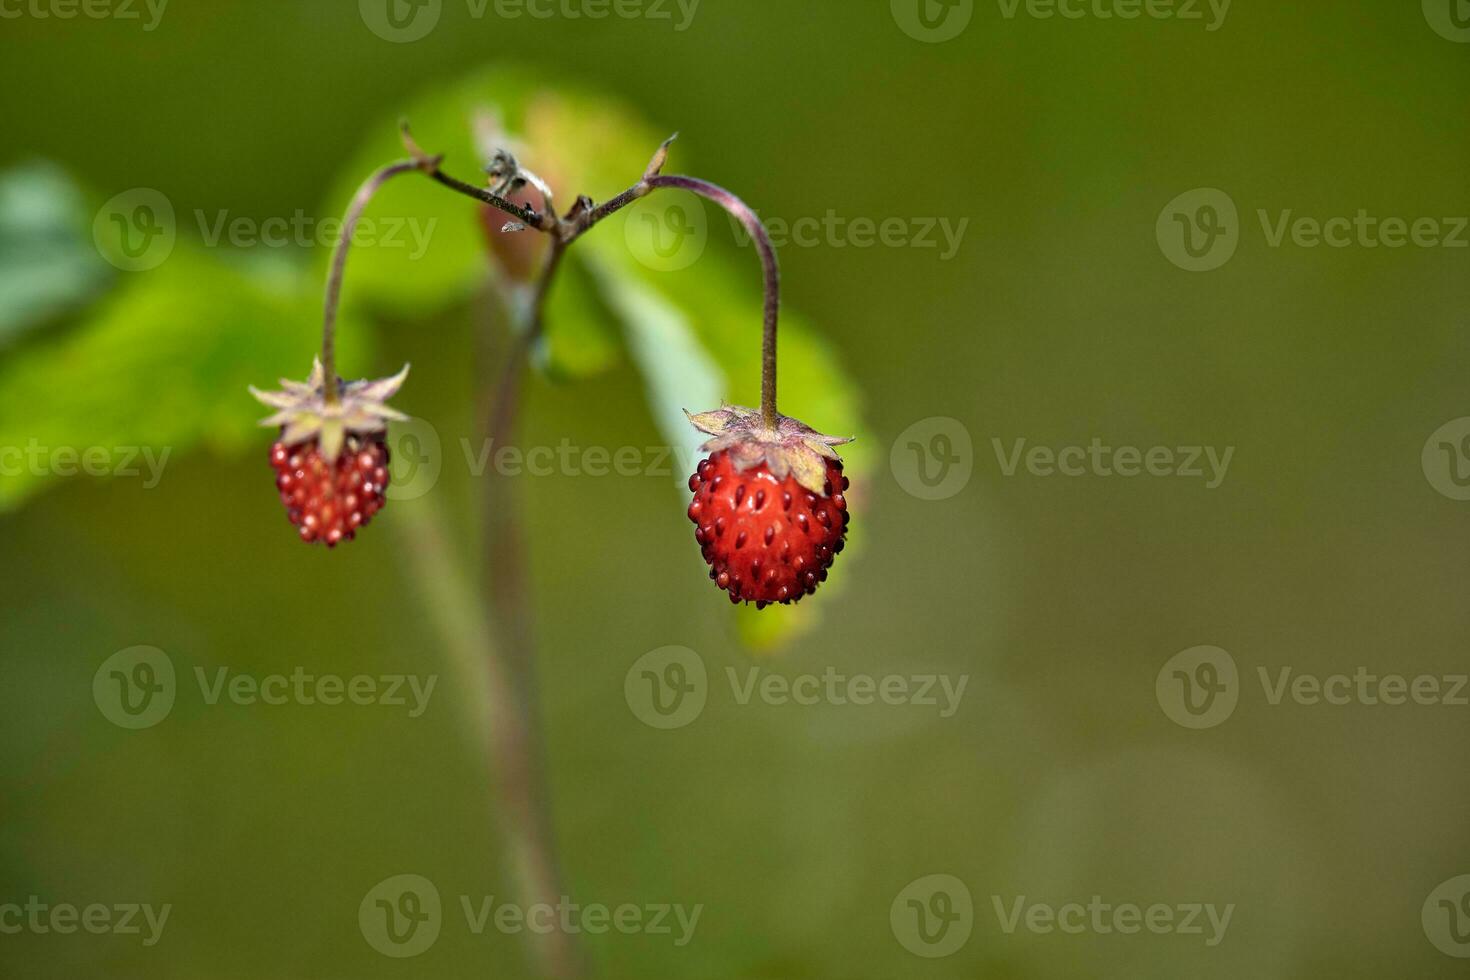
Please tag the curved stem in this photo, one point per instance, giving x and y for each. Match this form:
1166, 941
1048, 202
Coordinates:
564, 231
762, 239
421, 163
339, 266
584, 217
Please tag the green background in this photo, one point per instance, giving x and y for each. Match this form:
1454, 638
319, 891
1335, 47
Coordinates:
1059, 598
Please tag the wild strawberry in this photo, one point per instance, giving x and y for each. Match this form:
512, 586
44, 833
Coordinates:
330, 501
331, 460
768, 508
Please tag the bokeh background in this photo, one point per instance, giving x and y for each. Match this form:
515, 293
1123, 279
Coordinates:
1335, 540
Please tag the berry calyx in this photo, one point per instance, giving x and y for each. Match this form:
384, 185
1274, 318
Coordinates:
331, 460
769, 509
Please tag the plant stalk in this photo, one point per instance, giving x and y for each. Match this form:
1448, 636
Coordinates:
504, 723
772, 271
359, 204
502, 671
504, 687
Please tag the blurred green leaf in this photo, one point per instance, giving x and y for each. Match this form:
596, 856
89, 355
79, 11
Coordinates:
581, 338
724, 311
678, 372
48, 264
162, 363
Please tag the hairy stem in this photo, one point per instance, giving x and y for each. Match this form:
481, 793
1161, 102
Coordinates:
771, 269
359, 204
504, 724
507, 592
652, 181
524, 215
422, 163
504, 545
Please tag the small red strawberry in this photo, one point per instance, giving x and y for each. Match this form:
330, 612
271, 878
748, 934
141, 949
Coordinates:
330, 501
331, 460
768, 508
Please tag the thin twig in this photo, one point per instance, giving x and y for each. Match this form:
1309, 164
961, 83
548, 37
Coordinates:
769, 266
359, 204
525, 216
506, 590
505, 725
430, 166
505, 577
582, 220
586, 219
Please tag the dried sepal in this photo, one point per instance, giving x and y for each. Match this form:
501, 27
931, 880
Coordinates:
382, 389
302, 411
791, 448
711, 423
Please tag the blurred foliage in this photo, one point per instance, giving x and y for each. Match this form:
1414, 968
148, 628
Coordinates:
47, 261
209, 327
1057, 321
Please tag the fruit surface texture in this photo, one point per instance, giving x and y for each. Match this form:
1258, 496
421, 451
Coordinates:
766, 539
328, 501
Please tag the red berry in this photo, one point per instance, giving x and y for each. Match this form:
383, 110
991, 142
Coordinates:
331, 460
329, 501
766, 539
